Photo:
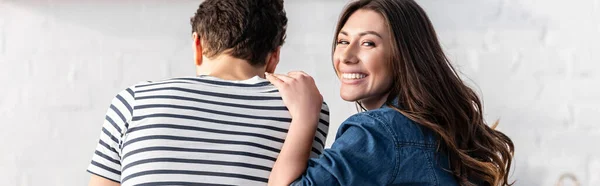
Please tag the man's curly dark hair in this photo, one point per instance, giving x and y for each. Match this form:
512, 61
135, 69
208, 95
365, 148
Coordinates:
245, 29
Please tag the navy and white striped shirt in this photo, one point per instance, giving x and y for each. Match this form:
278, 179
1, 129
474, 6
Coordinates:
195, 130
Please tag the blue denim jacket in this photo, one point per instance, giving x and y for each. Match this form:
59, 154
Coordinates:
380, 147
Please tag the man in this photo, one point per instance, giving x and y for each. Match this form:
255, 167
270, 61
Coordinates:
225, 126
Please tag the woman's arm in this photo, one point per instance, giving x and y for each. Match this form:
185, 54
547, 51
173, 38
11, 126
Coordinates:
304, 101
363, 153
293, 158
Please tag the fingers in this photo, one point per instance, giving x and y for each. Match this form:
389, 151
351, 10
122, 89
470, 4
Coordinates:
274, 80
283, 78
278, 79
297, 73
300, 75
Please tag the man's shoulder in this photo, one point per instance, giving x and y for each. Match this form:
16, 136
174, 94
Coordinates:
173, 81
130, 91
325, 108
190, 82
324, 117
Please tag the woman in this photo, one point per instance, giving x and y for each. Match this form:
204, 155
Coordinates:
421, 124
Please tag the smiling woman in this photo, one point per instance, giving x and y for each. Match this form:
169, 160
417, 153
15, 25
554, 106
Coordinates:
421, 124
361, 58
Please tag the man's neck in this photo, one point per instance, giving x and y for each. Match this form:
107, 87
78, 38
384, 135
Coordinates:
229, 68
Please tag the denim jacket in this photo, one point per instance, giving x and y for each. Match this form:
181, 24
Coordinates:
380, 147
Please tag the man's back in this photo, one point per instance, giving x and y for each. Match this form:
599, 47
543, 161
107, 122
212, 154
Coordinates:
195, 130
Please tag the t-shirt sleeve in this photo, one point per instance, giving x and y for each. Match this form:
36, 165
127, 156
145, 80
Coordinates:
106, 160
321, 133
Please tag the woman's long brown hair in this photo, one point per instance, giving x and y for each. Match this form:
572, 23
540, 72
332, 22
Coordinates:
430, 92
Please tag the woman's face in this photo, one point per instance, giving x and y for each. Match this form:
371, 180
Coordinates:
361, 59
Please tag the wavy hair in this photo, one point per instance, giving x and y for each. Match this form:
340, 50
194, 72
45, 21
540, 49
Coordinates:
430, 92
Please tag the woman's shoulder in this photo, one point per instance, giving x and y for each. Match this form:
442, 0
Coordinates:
404, 130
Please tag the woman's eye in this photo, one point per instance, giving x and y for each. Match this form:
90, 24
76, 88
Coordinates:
368, 43
342, 42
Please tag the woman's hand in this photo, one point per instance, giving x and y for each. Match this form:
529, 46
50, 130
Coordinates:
299, 93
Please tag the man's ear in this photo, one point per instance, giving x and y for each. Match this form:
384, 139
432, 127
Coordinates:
273, 60
197, 49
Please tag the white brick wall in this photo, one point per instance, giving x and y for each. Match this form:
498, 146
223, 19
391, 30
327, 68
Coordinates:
536, 62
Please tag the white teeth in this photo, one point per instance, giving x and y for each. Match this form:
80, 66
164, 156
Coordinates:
353, 76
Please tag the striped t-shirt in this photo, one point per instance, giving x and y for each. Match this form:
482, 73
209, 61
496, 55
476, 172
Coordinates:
195, 131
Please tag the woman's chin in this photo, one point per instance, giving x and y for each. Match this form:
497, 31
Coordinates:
349, 97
